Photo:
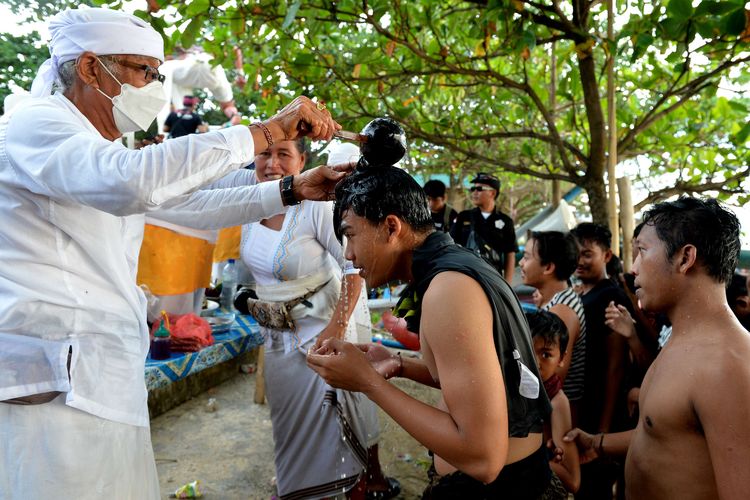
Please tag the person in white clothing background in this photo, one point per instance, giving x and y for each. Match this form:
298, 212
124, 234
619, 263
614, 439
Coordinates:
73, 333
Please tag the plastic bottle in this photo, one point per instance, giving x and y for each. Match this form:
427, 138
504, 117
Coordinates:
228, 286
161, 343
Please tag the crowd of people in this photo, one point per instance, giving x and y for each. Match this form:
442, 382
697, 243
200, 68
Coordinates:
630, 385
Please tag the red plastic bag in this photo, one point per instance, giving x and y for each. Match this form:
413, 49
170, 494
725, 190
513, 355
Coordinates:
188, 333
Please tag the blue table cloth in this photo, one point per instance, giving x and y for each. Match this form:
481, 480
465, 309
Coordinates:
243, 336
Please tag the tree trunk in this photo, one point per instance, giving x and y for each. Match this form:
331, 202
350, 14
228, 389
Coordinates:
594, 181
597, 199
614, 226
626, 221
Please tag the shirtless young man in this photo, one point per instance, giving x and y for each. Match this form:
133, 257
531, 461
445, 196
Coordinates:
486, 433
692, 440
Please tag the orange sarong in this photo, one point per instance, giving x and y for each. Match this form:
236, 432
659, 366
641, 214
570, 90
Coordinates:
171, 263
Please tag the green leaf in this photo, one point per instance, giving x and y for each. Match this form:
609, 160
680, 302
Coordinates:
715, 8
734, 23
709, 28
673, 28
742, 135
197, 7
680, 9
642, 42
303, 59
191, 32
238, 24
738, 106
529, 38
291, 13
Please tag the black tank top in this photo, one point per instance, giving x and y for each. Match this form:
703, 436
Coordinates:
439, 254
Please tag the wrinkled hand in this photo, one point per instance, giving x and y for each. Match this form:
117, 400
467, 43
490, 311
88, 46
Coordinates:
319, 183
344, 366
585, 444
619, 320
302, 118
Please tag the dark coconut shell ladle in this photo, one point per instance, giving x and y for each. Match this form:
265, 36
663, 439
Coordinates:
385, 145
382, 142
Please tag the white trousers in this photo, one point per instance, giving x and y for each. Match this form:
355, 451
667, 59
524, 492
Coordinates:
55, 451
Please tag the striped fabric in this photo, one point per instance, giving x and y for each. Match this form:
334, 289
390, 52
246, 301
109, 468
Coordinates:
573, 385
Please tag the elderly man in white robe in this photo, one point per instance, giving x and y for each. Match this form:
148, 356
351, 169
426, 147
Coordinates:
73, 336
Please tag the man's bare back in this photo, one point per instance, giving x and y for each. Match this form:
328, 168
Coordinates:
693, 436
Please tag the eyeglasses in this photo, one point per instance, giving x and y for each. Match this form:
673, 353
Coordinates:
152, 74
480, 188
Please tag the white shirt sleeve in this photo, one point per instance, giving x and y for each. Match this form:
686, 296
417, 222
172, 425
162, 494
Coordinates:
57, 153
242, 177
217, 208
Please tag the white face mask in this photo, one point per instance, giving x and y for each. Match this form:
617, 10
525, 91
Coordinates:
135, 108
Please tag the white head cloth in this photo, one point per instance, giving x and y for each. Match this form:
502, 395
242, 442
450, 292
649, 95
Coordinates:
342, 153
101, 31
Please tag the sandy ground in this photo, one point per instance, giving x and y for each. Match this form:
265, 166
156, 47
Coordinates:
227, 444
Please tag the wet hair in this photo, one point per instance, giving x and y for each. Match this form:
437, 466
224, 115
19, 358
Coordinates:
434, 188
377, 192
594, 233
550, 327
705, 224
560, 249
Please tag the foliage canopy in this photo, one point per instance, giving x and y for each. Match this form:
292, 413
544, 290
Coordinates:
510, 86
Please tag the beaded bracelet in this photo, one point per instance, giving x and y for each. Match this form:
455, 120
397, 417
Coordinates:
266, 132
400, 365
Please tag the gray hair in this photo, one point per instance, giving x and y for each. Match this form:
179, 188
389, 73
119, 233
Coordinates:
67, 74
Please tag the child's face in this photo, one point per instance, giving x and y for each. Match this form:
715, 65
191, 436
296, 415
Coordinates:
548, 357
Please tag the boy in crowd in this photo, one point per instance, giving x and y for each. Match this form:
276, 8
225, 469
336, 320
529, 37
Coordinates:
549, 258
604, 407
550, 337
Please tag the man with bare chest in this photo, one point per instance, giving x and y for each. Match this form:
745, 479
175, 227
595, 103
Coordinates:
692, 440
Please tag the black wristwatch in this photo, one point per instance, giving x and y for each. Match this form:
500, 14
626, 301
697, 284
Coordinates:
287, 193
